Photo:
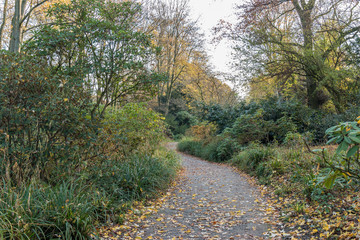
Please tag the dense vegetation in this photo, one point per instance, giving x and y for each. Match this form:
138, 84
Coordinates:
90, 88
78, 146
299, 63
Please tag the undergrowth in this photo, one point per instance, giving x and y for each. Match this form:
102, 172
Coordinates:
294, 179
73, 208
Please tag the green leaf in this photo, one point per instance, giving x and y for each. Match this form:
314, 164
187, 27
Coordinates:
342, 147
348, 140
355, 139
329, 181
332, 140
352, 151
331, 129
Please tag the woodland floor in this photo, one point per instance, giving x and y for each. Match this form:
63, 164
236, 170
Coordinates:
208, 201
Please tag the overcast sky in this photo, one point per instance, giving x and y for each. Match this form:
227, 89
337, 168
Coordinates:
210, 12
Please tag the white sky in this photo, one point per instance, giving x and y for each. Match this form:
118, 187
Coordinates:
210, 12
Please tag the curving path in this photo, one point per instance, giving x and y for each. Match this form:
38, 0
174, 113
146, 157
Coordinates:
210, 201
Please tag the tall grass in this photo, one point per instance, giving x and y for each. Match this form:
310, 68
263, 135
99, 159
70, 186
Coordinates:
73, 208
46, 212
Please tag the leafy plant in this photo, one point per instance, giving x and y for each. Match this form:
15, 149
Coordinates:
250, 127
253, 157
345, 162
38, 211
43, 119
134, 128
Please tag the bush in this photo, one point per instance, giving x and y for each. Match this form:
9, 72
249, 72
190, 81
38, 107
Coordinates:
283, 126
140, 177
130, 130
293, 139
73, 209
209, 151
180, 122
202, 131
250, 127
190, 147
226, 148
345, 163
219, 149
43, 119
253, 157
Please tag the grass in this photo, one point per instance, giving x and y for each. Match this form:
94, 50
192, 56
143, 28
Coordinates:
72, 209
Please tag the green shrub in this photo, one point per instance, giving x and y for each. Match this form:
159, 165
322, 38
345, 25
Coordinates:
345, 162
43, 119
203, 131
250, 127
250, 159
139, 177
131, 129
73, 209
283, 126
180, 122
226, 148
210, 151
219, 149
293, 139
191, 147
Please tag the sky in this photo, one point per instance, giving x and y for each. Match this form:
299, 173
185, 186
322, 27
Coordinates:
209, 13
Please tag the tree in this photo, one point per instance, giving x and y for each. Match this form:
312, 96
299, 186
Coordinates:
177, 37
300, 40
203, 85
4, 19
101, 41
21, 13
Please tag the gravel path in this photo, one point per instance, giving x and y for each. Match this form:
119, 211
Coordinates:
210, 201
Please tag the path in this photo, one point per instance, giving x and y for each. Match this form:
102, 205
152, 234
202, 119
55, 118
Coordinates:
211, 201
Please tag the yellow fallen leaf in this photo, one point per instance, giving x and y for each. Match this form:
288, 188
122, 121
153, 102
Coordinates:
314, 231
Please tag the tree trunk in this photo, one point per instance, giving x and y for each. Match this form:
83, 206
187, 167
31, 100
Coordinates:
3, 22
16, 28
304, 11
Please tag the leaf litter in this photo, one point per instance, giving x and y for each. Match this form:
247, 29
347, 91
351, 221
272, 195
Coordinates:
208, 201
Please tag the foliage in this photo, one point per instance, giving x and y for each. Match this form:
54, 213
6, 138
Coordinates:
139, 177
38, 211
132, 129
293, 139
191, 147
43, 119
345, 163
278, 47
253, 160
282, 127
250, 127
202, 131
102, 40
179, 122
73, 209
225, 149
221, 116
218, 149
